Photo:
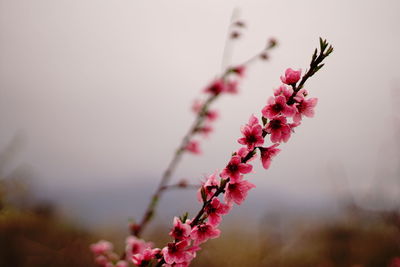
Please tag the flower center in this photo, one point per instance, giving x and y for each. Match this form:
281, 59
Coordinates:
232, 167
277, 107
275, 124
251, 139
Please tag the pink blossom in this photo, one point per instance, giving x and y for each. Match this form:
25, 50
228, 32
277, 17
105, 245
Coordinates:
193, 250
193, 147
197, 107
210, 186
252, 134
293, 125
267, 153
180, 230
205, 130
277, 105
284, 90
243, 152
216, 87
215, 209
232, 87
237, 191
279, 129
101, 247
252, 121
234, 168
177, 252
291, 76
135, 245
202, 232
212, 115
304, 107
239, 70
143, 259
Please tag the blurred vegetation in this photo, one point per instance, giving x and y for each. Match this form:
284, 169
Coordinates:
31, 232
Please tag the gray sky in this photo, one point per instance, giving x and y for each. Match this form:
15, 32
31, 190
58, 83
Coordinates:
101, 91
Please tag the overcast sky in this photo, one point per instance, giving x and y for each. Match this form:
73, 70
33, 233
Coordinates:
101, 91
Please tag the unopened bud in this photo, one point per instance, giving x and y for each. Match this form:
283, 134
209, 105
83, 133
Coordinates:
272, 43
183, 183
235, 35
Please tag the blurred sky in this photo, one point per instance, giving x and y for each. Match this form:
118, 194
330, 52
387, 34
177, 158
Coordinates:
100, 92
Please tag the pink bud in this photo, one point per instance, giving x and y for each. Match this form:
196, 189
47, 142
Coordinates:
291, 76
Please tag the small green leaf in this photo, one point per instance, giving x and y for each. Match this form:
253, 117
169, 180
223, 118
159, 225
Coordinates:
184, 217
314, 55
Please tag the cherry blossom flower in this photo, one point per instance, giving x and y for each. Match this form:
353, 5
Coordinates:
135, 245
291, 76
239, 70
252, 121
252, 134
211, 115
202, 232
276, 106
193, 147
236, 191
234, 168
284, 90
176, 252
205, 130
243, 152
216, 87
304, 106
101, 247
143, 259
180, 230
279, 129
197, 106
215, 209
210, 186
267, 153
232, 87
192, 250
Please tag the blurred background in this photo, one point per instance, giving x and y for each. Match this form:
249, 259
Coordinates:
95, 96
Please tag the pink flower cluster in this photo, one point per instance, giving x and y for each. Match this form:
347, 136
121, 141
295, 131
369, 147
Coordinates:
228, 84
104, 255
288, 103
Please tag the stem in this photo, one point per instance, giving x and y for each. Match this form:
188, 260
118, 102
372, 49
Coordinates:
315, 66
227, 53
166, 177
